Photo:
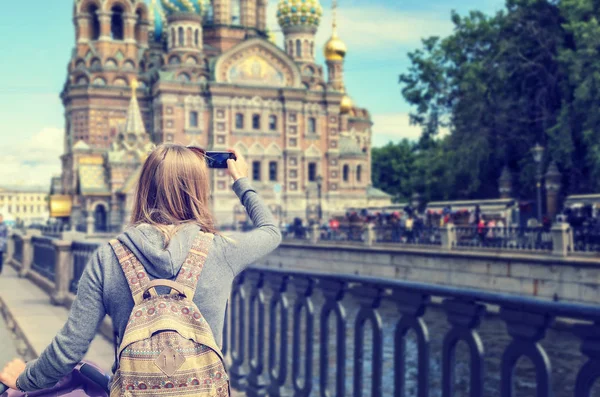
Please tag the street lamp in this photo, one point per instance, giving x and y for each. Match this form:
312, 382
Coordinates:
307, 207
538, 155
319, 184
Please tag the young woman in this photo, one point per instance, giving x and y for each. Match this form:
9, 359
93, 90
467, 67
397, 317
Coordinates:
171, 207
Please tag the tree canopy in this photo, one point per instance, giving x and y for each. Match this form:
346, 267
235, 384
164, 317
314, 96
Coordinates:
502, 83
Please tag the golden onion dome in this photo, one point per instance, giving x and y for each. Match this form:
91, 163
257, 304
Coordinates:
335, 49
346, 105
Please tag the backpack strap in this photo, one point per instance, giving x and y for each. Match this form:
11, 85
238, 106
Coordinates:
194, 262
134, 271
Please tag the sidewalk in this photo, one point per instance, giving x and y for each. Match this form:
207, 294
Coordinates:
39, 321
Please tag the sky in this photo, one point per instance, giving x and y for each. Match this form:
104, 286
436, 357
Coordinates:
37, 38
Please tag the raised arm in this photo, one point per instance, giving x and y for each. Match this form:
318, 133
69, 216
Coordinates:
242, 249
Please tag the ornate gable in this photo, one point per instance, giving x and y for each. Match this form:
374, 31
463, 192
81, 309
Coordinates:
257, 62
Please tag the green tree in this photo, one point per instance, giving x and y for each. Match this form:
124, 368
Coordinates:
498, 83
392, 168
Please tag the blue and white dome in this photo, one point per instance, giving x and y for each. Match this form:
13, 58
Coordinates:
183, 6
157, 18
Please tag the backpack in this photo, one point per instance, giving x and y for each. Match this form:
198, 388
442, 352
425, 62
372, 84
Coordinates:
168, 347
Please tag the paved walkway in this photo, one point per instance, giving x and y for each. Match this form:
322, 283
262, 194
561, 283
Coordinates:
39, 321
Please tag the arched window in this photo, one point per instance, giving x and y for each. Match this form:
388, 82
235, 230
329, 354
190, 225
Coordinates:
235, 12
346, 171
239, 121
312, 48
290, 48
180, 36
117, 30
273, 171
358, 173
256, 121
298, 48
305, 48
273, 123
188, 37
94, 22
138, 25
312, 172
197, 38
172, 38
184, 77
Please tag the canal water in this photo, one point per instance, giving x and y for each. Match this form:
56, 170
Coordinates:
561, 347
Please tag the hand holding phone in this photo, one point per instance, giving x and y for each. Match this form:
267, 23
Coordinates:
219, 159
237, 166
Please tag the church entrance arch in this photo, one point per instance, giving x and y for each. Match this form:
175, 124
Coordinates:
100, 219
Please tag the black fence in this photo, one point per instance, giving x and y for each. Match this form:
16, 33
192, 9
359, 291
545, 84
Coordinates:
18, 254
586, 239
303, 334
510, 238
82, 252
396, 234
44, 257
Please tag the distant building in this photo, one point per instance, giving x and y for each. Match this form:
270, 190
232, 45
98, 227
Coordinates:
209, 75
27, 206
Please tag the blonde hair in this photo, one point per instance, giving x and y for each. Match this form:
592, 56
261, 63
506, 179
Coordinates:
173, 190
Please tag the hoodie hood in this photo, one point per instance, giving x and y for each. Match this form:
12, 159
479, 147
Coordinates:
147, 243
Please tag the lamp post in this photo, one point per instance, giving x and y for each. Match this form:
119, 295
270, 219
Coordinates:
307, 207
319, 185
538, 155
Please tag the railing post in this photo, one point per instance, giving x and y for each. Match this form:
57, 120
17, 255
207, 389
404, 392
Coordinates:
526, 330
590, 346
314, 233
28, 252
63, 271
561, 239
10, 249
257, 381
370, 235
448, 237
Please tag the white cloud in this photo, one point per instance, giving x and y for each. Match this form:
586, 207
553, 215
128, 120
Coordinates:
373, 28
395, 127
32, 162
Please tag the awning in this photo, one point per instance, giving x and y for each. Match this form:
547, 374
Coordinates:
60, 206
581, 200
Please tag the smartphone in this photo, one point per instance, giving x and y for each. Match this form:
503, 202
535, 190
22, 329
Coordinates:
218, 159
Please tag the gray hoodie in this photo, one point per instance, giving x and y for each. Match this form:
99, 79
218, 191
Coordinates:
103, 289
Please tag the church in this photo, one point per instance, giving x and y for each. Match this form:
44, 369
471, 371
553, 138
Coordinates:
208, 73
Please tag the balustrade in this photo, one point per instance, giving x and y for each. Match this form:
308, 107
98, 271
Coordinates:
352, 361
305, 334
18, 250
44, 257
82, 252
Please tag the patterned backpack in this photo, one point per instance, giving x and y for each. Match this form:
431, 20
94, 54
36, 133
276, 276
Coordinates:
168, 348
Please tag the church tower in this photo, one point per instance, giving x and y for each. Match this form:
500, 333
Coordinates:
335, 53
299, 20
184, 33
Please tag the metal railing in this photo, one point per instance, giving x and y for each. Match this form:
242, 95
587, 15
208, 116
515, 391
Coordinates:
510, 238
305, 334
296, 233
397, 234
18, 247
350, 233
586, 239
53, 231
82, 252
44, 257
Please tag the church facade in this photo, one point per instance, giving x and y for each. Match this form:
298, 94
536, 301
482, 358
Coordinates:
207, 73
